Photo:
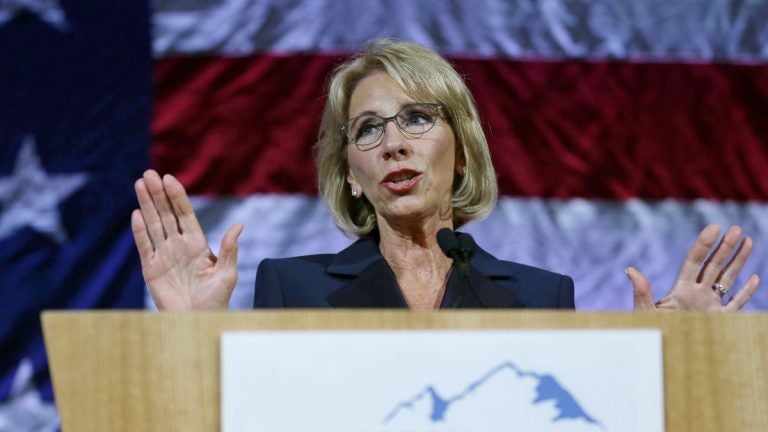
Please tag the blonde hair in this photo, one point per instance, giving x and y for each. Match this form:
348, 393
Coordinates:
427, 77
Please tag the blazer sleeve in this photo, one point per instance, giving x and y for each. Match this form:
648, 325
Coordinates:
269, 290
566, 293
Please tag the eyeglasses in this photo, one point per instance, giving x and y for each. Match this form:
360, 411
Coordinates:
413, 120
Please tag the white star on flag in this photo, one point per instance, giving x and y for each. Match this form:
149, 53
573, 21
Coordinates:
49, 11
25, 406
31, 196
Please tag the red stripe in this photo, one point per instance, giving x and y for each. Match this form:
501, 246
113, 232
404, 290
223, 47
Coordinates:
236, 126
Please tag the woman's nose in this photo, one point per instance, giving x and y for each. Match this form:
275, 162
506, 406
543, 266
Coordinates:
394, 143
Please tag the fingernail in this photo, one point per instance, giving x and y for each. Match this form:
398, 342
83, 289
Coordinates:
712, 229
733, 234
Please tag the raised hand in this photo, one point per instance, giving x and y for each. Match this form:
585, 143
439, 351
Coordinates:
704, 278
178, 266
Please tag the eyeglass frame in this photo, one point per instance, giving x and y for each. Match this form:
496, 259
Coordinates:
385, 120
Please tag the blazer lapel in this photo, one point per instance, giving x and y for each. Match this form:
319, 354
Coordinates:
375, 287
485, 271
372, 283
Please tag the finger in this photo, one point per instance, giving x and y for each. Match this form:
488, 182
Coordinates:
691, 267
151, 218
744, 295
641, 288
162, 202
719, 257
228, 250
731, 271
141, 237
182, 207
228, 253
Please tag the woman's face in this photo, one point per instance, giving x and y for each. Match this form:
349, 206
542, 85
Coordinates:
408, 179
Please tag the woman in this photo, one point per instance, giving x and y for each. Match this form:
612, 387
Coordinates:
401, 155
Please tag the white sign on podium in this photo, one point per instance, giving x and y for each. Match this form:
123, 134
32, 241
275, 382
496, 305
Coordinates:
475, 380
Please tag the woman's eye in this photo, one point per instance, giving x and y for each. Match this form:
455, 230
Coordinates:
365, 129
418, 118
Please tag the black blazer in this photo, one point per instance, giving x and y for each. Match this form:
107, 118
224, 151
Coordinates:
359, 277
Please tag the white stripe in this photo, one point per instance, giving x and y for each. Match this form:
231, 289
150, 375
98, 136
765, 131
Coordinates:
592, 241
691, 30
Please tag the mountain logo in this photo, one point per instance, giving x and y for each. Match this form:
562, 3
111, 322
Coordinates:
503, 388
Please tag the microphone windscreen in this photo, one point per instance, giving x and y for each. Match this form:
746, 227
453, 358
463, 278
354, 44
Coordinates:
447, 241
466, 243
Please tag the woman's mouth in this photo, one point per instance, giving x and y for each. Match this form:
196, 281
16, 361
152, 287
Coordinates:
401, 181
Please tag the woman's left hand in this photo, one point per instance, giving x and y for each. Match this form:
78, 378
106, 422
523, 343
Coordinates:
702, 273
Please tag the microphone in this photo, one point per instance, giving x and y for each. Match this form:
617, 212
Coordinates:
447, 241
460, 247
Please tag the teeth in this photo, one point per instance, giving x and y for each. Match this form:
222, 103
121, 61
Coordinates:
401, 178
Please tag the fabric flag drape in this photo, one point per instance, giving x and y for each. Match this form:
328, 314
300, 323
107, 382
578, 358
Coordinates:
618, 129
75, 82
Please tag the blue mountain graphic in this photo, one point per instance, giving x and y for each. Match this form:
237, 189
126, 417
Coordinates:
547, 388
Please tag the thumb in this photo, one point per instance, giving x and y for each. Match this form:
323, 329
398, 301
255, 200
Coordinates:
643, 298
228, 250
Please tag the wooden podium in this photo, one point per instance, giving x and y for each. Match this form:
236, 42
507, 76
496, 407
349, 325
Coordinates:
150, 371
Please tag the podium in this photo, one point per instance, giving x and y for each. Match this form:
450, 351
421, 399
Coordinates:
147, 371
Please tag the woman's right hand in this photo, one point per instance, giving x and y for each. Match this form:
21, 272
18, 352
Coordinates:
178, 266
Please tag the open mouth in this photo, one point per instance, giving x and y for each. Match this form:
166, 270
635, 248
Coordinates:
400, 181
402, 178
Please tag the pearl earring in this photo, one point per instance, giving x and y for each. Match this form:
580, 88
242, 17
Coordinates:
354, 192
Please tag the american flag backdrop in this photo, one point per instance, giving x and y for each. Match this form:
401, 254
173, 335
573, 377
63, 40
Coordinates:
618, 130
